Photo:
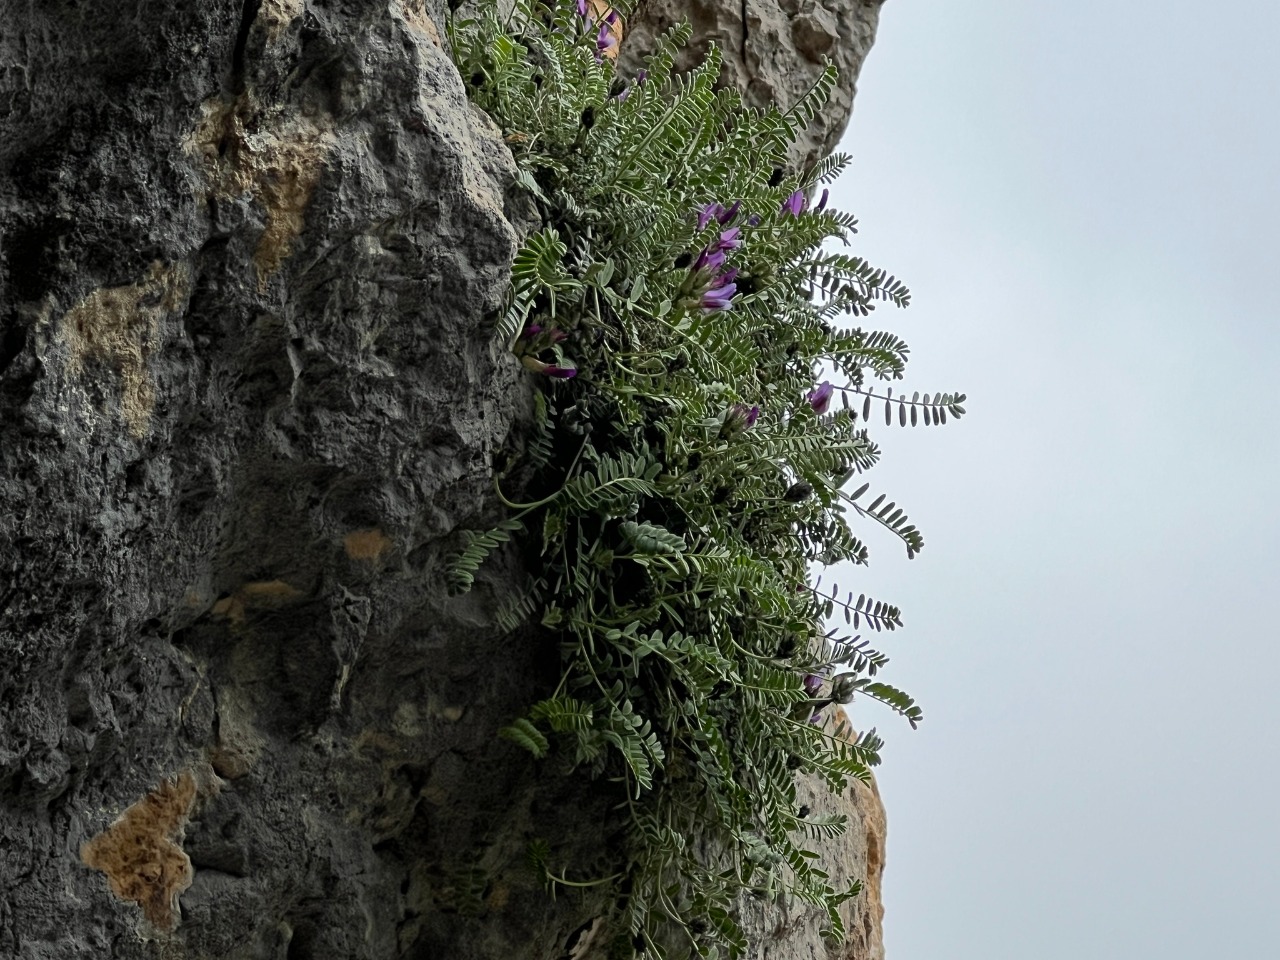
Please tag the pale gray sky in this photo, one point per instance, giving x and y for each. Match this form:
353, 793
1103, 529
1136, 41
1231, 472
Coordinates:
1084, 199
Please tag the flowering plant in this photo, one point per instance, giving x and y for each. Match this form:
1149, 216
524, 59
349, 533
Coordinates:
685, 479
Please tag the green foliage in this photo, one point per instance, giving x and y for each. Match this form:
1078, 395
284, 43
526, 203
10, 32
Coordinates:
689, 476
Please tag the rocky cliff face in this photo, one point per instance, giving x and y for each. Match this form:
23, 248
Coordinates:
773, 51
250, 258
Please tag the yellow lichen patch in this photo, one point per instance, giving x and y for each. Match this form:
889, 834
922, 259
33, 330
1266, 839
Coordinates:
278, 165
291, 168
120, 325
367, 545
278, 14
140, 854
415, 16
254, 597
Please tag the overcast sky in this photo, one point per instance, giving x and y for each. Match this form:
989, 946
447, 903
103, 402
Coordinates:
1084, 198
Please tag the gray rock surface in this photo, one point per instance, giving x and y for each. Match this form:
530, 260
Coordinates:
250, 257
773, 51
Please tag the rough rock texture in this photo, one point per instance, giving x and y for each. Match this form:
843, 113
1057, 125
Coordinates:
793, 931
773, 51
250, 254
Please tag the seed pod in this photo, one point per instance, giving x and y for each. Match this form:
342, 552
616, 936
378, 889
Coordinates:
798, 492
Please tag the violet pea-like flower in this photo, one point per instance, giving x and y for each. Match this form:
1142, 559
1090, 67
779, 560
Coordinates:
582, 8
794, 204
728, 276
707, 213
709, 259
820, 397
727, 214
729, 240
822, 201
604, 40
812, 684
740, 417
720, 298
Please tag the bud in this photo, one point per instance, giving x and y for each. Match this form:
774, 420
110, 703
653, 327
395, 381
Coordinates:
842, 688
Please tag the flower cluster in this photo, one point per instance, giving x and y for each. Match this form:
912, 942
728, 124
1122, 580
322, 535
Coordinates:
710, 285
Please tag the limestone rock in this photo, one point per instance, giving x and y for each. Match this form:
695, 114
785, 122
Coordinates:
773, 51
793, 931
250, 258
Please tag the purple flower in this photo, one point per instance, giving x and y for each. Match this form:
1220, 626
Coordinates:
708, 213
728, 276
820, 397
604, 40
822, 201
728, 240
561, 373
812, 684
738, 418
742, 414
582, 8
721, 298
731, 212
709, 259
532, 330
641, 77
612, 18
754, 220
816, 719
794, 204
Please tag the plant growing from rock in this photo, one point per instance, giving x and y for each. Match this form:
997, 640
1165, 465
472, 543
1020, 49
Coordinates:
687, 470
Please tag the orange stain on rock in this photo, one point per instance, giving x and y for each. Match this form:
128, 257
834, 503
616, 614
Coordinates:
368, 544
140, 854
